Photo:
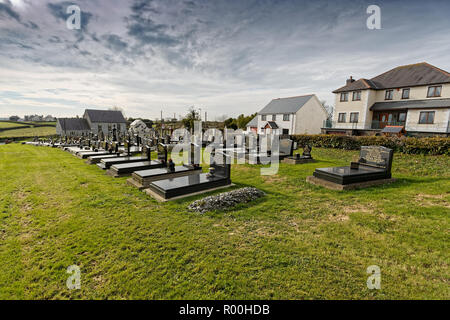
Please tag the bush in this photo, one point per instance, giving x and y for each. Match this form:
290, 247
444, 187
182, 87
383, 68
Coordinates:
408, 145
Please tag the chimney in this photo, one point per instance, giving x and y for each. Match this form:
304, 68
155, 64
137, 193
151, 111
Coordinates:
351, 80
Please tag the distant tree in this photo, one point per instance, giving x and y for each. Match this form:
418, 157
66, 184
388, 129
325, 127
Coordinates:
230, 123
328, 108
14, 118
188, 120
242, 120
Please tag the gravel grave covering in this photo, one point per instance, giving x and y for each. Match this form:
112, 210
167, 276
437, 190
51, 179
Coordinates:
226, 200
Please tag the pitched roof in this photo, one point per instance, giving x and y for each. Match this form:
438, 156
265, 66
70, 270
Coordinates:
272, 124
106, 116
419, 74
253, 122
74, 124
413, 104
285, 105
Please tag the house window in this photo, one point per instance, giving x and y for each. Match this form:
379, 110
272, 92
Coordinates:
285, 117
100, 128
405, 94
434, 91
357, 96
263, 117
118, 127
426, 117
354, 117
344, 96
109, 128
274, 117
389, 95
285, 131
341, 118
402, 117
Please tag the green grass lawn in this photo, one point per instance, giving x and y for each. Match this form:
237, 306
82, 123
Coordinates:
29, 132
298, 242
4, 125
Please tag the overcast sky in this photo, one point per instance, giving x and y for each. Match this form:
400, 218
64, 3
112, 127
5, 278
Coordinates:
227, 57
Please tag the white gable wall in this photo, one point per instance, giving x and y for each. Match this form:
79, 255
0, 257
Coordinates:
309, 119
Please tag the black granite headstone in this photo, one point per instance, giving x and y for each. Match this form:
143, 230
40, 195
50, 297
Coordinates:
374, 163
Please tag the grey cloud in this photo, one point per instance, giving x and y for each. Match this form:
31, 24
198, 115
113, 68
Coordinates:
114, 42
6, 10
143, 28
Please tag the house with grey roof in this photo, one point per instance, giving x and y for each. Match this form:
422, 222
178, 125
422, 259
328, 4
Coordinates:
414, 97
105, 121
289, 116
72, 127
93, 121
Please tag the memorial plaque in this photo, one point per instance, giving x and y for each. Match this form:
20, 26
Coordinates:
286, 147
376, 156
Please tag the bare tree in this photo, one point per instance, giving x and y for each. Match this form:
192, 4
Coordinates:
328, 108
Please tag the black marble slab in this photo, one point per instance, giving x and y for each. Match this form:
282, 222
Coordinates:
124, 168
161, 171
181, 186
104, 156
107, 163
346, 175
84, 155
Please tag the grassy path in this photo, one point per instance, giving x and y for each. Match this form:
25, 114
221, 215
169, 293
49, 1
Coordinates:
299, 242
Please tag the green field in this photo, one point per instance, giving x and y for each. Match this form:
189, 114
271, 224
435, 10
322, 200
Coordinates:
28, 132
4, 125
298, 242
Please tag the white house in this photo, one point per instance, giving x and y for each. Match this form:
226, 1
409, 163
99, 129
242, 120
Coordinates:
414, 98
294, 115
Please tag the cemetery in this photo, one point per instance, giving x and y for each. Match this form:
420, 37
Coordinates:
203, 220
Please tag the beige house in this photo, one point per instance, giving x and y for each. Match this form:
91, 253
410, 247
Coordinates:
288, 116
415, 98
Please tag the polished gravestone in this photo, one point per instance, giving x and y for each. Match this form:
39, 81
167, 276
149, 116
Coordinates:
124, 169
373, 168
98, 158
87, 154
108, 162
218, 177
286, 149
299, 159
142, 179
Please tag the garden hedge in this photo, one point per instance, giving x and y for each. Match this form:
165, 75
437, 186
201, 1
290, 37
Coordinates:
408, 145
